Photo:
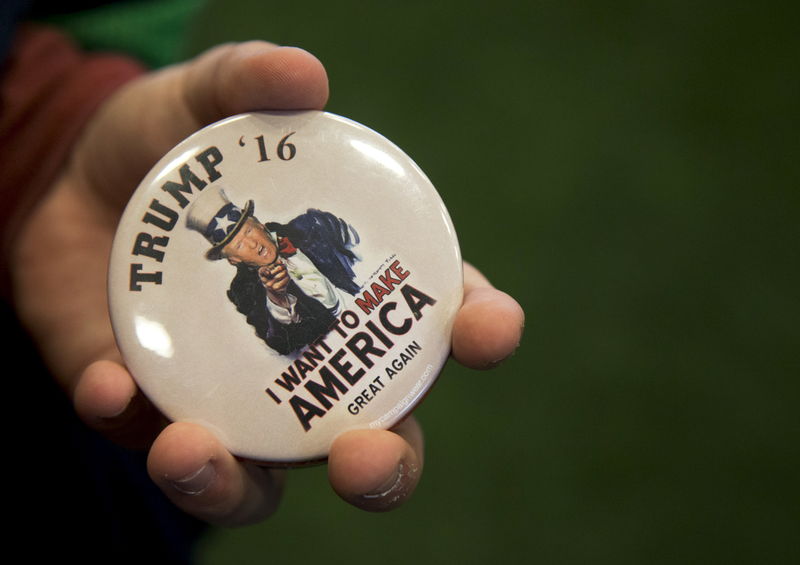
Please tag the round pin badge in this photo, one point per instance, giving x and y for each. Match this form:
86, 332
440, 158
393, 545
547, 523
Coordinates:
283, 277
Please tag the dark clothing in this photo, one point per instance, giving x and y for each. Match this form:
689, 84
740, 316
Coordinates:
83, 492
76, 491
326, 240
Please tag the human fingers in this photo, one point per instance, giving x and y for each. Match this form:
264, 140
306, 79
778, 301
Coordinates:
489, 325
264, 274
273, 271
202, 478
377, 470
274, 277
254, 75
279, 280
149, 116
107, 399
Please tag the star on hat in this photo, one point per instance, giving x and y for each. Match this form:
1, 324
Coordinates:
214, 216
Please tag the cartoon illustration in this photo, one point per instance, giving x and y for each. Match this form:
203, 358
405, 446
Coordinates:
289, 277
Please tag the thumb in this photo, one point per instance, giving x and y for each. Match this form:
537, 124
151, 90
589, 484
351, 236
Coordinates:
149, 116
236, 78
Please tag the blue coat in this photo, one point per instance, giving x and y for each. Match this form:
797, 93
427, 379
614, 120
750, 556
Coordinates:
327, 241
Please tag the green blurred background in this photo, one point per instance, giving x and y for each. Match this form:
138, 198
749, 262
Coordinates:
629, 172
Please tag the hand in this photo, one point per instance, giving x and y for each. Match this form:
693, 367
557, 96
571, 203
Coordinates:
59, 271
275, 279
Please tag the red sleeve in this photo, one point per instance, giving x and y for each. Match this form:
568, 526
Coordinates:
49, 90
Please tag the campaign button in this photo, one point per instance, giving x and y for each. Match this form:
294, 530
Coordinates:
282, 277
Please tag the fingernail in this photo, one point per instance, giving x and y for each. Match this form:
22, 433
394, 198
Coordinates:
494, 363
114, 412
197, 482
396, 487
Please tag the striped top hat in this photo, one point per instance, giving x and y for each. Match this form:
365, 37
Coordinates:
214, 216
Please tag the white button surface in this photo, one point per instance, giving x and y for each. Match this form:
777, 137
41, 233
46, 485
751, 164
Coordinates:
283, 277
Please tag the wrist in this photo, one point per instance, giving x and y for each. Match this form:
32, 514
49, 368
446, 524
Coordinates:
279, 298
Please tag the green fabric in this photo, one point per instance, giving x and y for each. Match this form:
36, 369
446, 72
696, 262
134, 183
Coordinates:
629, 171
154, 31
